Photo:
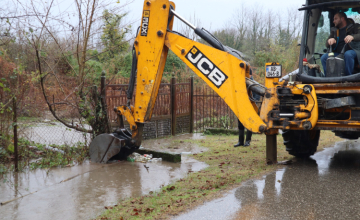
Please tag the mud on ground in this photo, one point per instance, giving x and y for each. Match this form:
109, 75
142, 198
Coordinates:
176, 144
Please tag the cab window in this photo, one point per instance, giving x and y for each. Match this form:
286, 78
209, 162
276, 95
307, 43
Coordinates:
323, 32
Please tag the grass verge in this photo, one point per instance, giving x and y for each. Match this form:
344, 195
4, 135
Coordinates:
228, 167
33, 156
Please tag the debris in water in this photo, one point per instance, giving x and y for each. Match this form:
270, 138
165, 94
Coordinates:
147, 168
136, 157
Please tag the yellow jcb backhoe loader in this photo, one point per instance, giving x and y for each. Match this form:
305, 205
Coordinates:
300, 104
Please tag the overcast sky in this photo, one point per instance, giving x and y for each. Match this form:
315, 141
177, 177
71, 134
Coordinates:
214, 14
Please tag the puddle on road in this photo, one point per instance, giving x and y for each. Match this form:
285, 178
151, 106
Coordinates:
322, 187
60, 196
216, 209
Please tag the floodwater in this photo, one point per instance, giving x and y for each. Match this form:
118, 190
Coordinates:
57, 133
323, 187
176, 144
53, 133
81, 192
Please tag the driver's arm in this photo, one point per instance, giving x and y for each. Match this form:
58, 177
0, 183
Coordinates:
331, 41
332, 38
356, 33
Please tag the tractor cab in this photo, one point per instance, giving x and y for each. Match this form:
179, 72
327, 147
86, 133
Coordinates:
318, 24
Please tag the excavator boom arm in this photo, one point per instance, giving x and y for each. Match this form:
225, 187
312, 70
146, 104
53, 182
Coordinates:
223, 72
219, 66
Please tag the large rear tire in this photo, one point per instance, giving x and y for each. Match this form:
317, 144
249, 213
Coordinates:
301, 143
350, 135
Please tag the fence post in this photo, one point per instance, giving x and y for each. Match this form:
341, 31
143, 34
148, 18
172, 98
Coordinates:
191, 104
15, 136
103, 100
173, 105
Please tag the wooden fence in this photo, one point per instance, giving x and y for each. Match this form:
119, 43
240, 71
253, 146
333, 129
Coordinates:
172, 110
179, 108
210, 110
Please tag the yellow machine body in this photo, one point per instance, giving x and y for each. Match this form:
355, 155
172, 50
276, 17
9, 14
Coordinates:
223, 72
225, 76
228, 76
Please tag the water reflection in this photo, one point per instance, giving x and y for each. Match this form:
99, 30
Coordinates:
278, 177
81, 192
320, 187
260, 185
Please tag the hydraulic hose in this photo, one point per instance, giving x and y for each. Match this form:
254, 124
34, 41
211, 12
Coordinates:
208, 38
255, 87
130, 90
310, 79
201, 32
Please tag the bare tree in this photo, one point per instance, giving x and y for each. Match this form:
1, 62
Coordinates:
241, 22
56, 34
186, 30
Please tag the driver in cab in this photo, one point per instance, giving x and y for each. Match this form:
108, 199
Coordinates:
344, 32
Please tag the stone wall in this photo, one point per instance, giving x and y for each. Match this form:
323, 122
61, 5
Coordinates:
183, 124
157, 128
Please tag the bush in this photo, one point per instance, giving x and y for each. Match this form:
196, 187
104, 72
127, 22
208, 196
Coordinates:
287, 57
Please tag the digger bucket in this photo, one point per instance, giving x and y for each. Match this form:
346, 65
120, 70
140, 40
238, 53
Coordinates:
115, 146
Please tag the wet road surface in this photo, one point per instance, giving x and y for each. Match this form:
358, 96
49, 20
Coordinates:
81, 192
323, 187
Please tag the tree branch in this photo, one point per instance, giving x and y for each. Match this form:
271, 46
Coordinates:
47, 101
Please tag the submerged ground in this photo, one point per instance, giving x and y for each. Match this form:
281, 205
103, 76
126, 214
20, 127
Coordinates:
228, 168
130, 190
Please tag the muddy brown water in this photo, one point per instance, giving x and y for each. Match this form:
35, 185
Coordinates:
81, 192
323, 187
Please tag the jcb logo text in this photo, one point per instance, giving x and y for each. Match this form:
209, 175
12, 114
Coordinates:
145, 23
206, 67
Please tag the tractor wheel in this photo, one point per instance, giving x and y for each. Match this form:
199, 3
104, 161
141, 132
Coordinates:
350, 135
301, 143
